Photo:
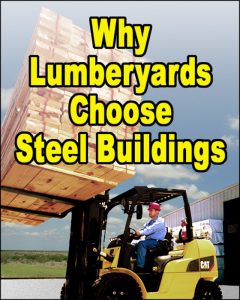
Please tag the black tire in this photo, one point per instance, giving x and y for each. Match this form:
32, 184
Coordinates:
208, 290
62, 294
116, 286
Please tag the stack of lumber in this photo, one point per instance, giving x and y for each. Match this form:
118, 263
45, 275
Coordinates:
57, 39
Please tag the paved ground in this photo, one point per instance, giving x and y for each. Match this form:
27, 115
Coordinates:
31, 288
50, 289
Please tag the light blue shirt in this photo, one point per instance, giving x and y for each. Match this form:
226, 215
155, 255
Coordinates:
154, 229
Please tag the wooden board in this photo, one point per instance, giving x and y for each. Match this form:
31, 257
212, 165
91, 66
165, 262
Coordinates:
12, 199
44, 109
10, 216
50, 180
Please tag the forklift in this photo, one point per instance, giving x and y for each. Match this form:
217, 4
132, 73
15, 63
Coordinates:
187, 270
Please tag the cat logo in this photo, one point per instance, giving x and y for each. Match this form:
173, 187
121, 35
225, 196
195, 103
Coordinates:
205, 265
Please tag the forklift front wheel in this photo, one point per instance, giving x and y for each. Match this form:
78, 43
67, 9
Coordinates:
208, 290
117, 286
62, 294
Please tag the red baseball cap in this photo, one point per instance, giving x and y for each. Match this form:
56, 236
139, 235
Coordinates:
154, 205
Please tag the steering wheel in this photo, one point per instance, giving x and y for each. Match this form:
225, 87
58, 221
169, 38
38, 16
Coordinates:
132, 231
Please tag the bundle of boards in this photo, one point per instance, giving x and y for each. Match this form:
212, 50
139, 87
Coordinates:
44, 109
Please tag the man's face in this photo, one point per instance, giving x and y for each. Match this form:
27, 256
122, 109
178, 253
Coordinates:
153, 213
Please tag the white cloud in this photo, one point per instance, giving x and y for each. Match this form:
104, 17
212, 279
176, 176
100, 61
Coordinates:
34, 233
192, 191
114, 221
137, 224
68, 216
117, 210
234, 123
14, 225
5, 98
166, 172
166, 208
151, 185
231, 140
51, 232
45, 233
111, 196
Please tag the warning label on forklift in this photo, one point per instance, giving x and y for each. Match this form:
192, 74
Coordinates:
167, 148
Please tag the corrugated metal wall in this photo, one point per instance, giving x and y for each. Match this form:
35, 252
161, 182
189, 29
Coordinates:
207, 208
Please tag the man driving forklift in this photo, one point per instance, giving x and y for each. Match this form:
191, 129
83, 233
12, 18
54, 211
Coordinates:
154, 231
188, 271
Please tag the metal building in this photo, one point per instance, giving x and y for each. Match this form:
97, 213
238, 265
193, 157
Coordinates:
220, 206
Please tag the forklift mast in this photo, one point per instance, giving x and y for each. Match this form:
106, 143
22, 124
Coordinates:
85, 234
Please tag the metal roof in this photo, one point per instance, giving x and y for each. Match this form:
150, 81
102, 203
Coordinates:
210, 207
145, 195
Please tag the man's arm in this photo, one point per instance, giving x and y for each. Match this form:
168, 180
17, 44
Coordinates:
138, 231
144, 226
159, 225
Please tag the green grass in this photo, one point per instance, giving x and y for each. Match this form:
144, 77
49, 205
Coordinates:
21, 270
33, 264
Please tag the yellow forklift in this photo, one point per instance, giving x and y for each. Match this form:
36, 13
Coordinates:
186, 271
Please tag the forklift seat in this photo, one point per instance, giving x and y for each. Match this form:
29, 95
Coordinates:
164, 259
161, 261
162, 249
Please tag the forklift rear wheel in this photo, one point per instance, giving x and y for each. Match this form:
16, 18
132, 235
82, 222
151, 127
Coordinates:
62, 294
208, 290
117, 286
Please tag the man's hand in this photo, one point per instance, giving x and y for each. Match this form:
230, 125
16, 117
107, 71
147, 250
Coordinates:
138, 233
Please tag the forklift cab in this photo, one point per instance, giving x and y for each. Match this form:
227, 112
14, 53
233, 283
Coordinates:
132, 203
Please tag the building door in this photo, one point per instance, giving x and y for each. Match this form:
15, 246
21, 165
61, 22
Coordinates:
231, 241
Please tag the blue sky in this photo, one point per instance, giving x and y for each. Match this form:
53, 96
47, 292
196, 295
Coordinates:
206, 29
